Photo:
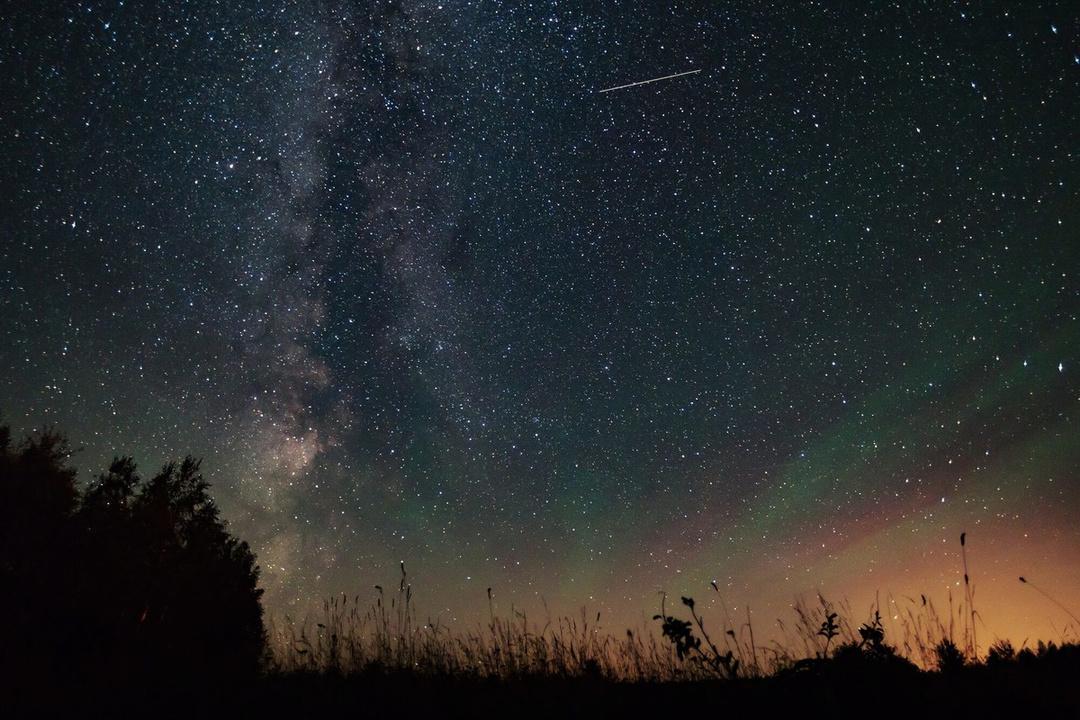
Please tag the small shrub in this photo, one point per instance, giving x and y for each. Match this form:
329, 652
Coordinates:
949, 657
1000, 653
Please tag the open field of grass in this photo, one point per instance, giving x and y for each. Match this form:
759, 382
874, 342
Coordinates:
355, 634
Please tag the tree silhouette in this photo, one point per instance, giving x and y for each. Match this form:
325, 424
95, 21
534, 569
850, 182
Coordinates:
200, 603
128, 579
38, 498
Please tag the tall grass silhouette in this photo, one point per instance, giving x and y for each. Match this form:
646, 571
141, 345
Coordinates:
969, 596
1051, 598
384, 634
356, 635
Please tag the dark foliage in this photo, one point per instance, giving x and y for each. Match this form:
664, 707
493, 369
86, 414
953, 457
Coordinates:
689, 647
127, 581
1000, 654
869, 662
949, 657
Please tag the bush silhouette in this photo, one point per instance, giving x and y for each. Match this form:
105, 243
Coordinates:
126, 579
949, 657
1000, 653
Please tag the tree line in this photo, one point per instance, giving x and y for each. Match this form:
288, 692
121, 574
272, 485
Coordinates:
120, 579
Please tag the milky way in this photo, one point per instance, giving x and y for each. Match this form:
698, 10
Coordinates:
417, 291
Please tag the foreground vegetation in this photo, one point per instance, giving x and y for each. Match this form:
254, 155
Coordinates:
352, 636
132, 593
380, 653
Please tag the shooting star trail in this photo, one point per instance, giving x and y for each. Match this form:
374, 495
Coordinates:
646, 82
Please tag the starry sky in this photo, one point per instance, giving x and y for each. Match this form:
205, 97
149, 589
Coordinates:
416, 291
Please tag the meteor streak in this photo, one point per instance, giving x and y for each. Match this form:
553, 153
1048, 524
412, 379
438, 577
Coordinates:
646, 82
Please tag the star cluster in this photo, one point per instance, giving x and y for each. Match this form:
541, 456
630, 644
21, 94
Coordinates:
416, 291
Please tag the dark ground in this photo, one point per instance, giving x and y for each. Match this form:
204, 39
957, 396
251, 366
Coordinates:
1043, 689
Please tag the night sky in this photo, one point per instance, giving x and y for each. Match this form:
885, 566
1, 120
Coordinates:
416, 291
